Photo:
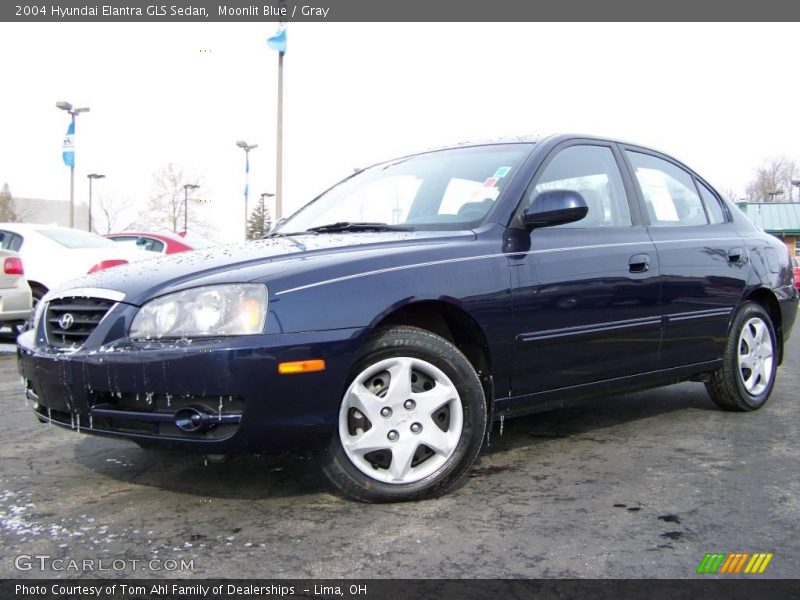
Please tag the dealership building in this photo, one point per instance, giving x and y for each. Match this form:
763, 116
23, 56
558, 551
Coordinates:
781, 219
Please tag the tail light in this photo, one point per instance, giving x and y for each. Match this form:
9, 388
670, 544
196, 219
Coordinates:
13, 266
107, 264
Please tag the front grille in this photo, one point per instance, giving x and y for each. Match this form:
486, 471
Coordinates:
69, 321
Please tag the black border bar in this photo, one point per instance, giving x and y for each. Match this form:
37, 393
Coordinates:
731, 588
396, 11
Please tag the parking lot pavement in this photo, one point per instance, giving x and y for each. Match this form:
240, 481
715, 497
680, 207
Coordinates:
641, 485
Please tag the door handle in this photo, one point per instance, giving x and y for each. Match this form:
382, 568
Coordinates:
735, 255
639, 263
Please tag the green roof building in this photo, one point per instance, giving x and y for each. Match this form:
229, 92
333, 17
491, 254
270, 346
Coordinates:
781, 219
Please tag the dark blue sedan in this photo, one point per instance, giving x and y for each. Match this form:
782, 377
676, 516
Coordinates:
390, 321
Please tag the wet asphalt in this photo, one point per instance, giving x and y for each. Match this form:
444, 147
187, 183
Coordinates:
640, 485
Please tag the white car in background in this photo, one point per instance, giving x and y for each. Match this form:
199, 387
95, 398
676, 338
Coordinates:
53, 255
15, 294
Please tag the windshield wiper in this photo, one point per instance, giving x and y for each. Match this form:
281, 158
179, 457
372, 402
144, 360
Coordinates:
351, 226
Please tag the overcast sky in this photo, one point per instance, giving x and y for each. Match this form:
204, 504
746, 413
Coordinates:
720, 97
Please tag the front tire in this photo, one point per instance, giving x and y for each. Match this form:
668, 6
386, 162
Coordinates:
745, 380
411, 421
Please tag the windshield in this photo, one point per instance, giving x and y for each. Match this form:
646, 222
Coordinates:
75, 238
448, 189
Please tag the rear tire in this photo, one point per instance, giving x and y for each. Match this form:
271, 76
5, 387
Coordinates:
745, 380
411, 422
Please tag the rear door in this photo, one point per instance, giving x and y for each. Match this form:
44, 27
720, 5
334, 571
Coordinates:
585, 295
703, 260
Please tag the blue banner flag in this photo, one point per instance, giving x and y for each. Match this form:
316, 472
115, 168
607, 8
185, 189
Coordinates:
68, 149
278, 41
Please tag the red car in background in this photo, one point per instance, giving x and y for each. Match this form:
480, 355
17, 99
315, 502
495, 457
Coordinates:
160, 243
796, 271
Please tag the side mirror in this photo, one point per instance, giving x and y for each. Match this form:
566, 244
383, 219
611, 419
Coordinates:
555, 207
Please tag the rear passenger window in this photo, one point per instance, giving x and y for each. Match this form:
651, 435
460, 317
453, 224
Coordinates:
150, 244
713, 207
10, 241
591, 171
669, 193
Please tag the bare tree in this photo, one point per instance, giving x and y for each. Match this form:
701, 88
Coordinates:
771, 178
112, 213
731, 194
8, 213
166, 206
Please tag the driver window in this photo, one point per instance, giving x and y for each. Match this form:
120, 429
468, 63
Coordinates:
591, 171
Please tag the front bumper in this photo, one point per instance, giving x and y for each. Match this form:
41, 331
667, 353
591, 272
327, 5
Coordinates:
135, 390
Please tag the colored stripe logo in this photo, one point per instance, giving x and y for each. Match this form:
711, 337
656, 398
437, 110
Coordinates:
734, 563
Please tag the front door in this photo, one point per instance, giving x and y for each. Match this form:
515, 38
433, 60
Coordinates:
586, 294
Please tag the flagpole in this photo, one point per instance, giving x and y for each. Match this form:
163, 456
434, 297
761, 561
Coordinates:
279, 154
72, 182
246, 187
278, 42
69, 151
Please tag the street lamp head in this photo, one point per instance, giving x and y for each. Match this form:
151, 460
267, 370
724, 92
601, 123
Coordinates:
245, 146
95, 176
241, 144
73, 111
267, 195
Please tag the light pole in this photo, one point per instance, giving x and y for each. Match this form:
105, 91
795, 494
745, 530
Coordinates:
279, 142
246, 147
263, 197
91, 177
186, 188
795, 183
73, 112
278, 43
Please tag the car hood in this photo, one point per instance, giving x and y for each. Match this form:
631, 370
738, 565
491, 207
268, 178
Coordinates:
300, 259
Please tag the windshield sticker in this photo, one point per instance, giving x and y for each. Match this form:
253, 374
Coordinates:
490, 182
502, 172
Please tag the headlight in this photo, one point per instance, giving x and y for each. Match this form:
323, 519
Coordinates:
210, 311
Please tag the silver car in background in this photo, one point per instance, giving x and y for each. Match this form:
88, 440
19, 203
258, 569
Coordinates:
15, 293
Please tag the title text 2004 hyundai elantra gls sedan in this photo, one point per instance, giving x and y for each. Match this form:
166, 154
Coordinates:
390, 321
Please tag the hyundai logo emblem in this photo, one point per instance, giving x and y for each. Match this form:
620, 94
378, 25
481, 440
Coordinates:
66, 321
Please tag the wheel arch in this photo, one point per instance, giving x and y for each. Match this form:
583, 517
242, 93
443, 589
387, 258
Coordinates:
454, 324
768, 301
33, 284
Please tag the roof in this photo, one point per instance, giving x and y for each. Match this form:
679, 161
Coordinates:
161, 235
774, 217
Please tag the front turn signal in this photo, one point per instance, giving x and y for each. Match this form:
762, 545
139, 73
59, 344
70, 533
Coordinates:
301, 366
